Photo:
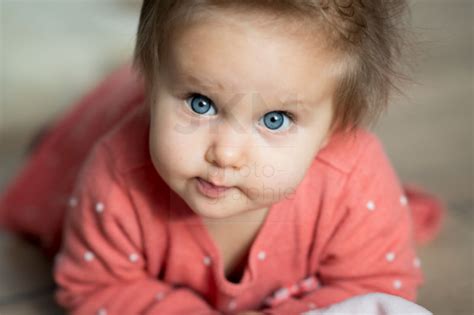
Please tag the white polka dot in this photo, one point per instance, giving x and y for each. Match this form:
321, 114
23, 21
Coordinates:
403, 200
390, 256
262, 255
207, 261
232, 305
371, 205
309, 283
397, 284
73, 202
417, 262
312, 306
58, 258
282, 293
159, 296
133, 257
88, 256
99, 207
102, 311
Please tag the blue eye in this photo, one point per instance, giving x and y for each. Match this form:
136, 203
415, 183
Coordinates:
274, 120
200, 104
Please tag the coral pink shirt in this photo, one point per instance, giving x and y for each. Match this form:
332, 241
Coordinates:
132, 246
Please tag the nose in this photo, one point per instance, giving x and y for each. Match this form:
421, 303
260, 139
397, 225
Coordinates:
228, 146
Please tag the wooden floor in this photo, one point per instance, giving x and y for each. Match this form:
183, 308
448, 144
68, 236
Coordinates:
428, 134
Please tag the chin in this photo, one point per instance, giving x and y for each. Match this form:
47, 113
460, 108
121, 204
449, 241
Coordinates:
209, 213
215, 216
216, 210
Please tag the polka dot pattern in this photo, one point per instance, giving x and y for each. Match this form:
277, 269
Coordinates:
417, 262
371, 205
133, 257
377, 210
89, 256
282, 293
99, 207
58, 261
73, 202
207, 261
160, 296
232, 305
397, 284
390, 256
403, 200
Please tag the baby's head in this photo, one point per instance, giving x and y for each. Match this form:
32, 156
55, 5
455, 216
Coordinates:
246, 93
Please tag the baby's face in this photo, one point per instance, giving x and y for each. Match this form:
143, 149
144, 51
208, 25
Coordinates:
242, 105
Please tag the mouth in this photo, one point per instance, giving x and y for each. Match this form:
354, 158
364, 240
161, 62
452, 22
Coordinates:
209, 189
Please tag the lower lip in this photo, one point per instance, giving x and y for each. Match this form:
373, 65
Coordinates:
209, 189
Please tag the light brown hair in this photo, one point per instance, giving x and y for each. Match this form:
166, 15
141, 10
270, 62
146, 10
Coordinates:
369, 35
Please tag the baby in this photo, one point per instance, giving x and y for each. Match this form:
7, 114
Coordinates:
245, 181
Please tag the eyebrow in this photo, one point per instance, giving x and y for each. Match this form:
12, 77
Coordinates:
286, 104
203, 83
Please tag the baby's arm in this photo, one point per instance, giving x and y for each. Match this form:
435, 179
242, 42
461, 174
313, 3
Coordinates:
371, 247
101, 268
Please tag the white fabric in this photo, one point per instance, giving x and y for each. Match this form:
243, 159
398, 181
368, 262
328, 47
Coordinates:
373, 304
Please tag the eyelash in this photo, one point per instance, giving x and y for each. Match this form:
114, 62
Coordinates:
290, 115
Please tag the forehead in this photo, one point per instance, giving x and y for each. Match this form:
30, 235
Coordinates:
252, 53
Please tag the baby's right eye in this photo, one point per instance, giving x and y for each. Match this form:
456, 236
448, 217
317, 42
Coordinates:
200, 104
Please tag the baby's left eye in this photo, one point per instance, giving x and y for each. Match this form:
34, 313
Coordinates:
274, 120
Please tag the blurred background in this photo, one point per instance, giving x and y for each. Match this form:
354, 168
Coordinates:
52, 52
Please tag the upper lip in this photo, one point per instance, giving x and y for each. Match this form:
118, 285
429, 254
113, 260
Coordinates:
214, 183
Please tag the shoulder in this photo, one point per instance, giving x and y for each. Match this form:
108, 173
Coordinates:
347, 152
119, 176
359, 168
127, 143
115, 157
347, 173
339, 166
122, 157
370, 179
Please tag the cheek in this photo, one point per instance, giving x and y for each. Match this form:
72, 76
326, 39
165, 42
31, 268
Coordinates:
172, 149
292, 163
279, 177
289, 174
